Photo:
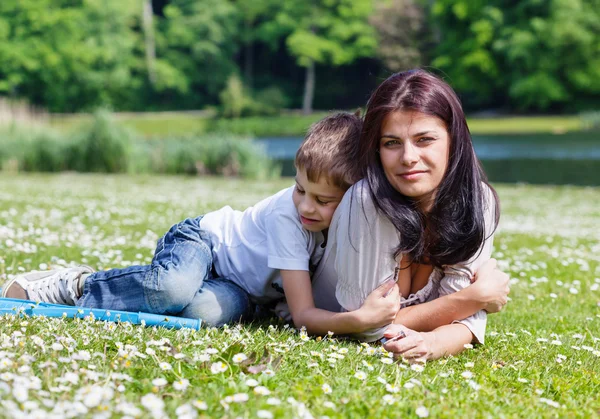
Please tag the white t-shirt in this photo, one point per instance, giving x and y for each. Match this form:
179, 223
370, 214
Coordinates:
250, 247
359, 258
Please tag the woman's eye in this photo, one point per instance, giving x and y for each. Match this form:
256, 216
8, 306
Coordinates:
391, 143
425, 139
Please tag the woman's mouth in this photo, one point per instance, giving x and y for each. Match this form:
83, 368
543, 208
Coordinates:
412, 175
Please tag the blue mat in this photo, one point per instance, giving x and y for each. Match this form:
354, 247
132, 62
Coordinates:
31, 308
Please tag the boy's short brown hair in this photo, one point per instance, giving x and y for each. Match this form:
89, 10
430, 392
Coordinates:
330, 149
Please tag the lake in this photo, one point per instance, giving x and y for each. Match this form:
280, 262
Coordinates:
570, 158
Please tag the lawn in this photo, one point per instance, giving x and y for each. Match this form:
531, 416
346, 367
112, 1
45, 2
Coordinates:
541, 357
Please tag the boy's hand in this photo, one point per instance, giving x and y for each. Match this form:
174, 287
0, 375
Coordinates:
381, 306
491, 287
407, 343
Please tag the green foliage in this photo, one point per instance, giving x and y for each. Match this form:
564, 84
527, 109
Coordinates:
101, 146
404, 38
534, 55
234, 98
74, 56
590, 120
196, 45
32, 149
216, 154
236, 101
67, 56
332, 32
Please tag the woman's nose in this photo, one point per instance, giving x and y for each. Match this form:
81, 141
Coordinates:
410, 154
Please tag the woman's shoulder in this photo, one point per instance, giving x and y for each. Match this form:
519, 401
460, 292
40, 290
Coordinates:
359, 193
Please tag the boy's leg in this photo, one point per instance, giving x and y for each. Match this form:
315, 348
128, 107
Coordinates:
219, 302
181, 263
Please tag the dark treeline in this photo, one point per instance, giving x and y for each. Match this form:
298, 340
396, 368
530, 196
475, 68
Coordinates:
257, 56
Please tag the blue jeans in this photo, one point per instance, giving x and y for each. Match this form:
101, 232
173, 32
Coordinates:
179, 281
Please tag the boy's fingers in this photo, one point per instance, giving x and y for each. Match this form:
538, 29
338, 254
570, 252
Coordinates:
394, 330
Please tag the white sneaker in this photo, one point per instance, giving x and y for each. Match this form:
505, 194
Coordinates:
60, 286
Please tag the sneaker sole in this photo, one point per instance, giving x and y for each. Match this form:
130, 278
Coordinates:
9, 284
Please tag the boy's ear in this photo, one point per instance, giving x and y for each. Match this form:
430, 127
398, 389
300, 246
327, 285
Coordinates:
358, 112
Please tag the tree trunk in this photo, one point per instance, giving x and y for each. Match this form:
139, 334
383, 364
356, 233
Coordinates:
309, 89
148, 27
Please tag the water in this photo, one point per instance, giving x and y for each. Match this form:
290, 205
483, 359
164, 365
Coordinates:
571, 158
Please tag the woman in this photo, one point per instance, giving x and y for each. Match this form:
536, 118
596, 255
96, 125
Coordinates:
424, 197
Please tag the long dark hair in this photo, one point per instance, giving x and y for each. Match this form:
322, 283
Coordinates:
454, 228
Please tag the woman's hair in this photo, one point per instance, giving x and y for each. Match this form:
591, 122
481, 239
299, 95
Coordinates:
454, 228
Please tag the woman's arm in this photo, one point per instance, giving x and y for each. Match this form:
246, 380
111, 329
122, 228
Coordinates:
488, 293
378, 310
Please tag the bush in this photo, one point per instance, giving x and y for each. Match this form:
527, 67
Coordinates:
236, 100
102, 146
271, 100
33, 149
590, 120
217, 154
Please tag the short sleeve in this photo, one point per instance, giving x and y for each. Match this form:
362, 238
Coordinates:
287, 242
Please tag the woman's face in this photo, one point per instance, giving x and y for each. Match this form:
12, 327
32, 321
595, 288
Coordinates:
414, 149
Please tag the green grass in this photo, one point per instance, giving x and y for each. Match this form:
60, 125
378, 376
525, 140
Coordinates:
181, 123
541, 357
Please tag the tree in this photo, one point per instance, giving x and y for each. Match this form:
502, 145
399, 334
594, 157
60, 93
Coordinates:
530, 55
252, 13
331, 32
196, 48
404, 35
551, 52
468, 29
150, 45
68, 55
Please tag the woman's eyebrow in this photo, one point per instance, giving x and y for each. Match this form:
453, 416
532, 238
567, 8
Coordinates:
416, 134
420, 134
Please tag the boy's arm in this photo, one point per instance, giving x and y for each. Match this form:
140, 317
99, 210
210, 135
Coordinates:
379, 308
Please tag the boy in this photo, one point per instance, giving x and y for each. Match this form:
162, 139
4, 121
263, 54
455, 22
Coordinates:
217, 266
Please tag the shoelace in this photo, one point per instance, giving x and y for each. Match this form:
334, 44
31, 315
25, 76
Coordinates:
58, 291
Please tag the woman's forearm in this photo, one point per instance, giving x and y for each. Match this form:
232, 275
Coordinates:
447, 340
439, 312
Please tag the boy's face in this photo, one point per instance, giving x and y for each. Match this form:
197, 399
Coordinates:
315, 202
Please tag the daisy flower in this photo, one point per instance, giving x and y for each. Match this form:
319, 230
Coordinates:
181, 385
237, 358
360, 375
218, 367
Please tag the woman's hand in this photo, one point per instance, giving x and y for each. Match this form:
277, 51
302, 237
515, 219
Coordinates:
491, 287
381, 306
407, 343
